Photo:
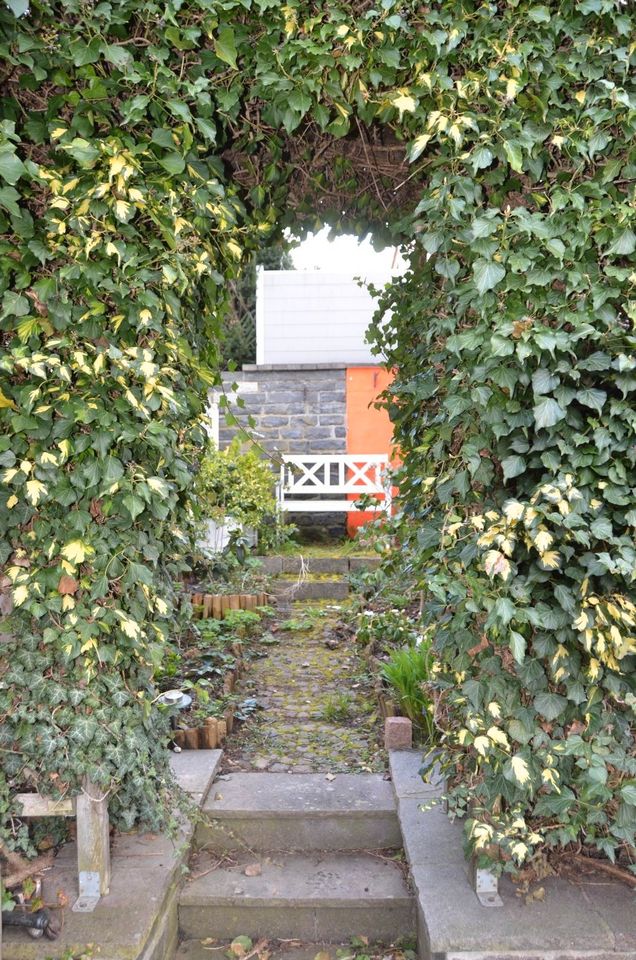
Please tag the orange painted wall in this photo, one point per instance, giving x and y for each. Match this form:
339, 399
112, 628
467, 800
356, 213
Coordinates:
368, 430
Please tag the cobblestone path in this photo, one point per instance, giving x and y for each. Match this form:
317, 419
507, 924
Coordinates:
318, 710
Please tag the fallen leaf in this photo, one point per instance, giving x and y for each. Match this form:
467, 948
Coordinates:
538, 894
253, 870
323, 955
330, 777
240, 946
67, 585
218, 796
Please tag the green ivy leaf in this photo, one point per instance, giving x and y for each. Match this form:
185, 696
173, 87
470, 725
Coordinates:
514, 155
173, 163
225, 46
624, 244
547, 412
134, 505
81, 150
550, 705
487, 274
592, 397
11, 167
481, 158
18, 8
517, 646
513, 466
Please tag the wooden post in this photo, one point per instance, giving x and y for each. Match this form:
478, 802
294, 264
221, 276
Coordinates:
235, 603
93, 846
191, 739
222, 730
207, 606
225, 605
229, 719
217, 611
208, 738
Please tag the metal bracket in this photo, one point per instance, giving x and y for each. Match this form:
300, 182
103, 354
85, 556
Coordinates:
88, 892
486, 886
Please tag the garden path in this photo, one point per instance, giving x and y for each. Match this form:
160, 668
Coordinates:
318, 709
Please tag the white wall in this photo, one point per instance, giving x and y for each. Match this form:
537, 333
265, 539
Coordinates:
312, 317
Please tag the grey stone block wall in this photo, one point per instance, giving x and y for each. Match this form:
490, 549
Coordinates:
299, 411
295, 411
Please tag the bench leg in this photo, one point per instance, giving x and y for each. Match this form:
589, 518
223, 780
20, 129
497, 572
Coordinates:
93, 847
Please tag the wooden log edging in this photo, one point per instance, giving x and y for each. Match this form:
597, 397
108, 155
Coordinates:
216, 605
214, 730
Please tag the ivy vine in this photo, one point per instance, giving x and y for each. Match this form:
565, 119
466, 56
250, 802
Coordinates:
146, 151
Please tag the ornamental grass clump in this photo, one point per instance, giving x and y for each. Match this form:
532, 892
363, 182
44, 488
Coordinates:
408, 672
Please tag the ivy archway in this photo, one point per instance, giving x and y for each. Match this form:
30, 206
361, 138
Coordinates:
145, 150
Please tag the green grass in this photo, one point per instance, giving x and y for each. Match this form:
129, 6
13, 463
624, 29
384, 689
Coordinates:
337, 708
337, 548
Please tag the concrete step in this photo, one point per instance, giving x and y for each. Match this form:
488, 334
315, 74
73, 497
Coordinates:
310, 589
280, 811
276, 950
309, 897
274, 566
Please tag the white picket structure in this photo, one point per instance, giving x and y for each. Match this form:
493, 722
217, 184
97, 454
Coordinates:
313, 484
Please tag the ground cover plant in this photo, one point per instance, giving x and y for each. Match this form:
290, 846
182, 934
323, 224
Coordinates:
146, 150
200, 662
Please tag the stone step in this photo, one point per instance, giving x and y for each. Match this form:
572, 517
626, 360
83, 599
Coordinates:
307, 897
310, 589
274, 566
279, 811
276, 950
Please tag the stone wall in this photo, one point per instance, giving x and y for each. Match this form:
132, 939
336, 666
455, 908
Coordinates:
295, 409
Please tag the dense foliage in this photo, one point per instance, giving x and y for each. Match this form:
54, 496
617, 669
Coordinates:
513, 335
144, 151
237, 484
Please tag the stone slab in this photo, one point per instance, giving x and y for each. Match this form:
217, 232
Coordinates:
195, 770
275, 811
141, 901
137, 920
316, 897
276, 949
271, 566
583, 920
356, 794
315, 564
406, 767
364, 563
311, 590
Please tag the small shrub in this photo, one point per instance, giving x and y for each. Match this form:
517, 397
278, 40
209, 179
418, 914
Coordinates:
237, 484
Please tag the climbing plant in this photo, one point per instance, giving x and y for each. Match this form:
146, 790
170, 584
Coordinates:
146, 150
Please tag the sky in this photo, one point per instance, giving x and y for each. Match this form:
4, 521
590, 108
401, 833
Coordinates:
346, 255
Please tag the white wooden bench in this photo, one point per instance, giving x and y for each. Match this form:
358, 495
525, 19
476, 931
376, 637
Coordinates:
322, 484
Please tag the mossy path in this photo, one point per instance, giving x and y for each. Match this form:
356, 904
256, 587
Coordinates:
318, 710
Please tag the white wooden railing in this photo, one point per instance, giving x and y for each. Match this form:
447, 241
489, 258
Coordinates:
316, 483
